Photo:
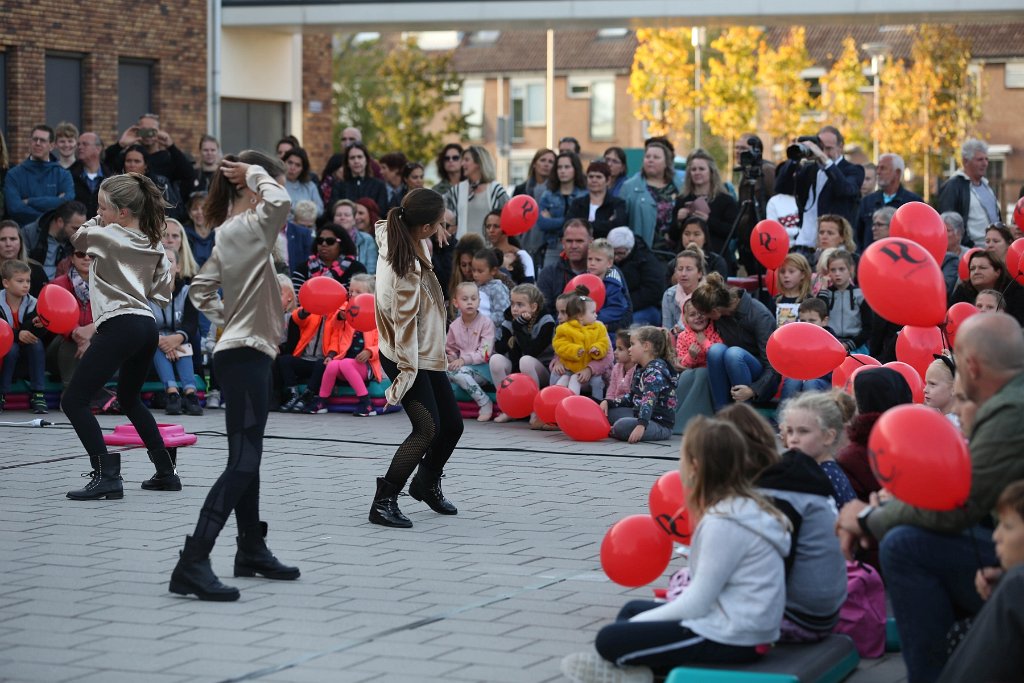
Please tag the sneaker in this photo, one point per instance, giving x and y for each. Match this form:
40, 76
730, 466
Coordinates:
213, 399
365, 410
38, 403
590, 667
191, 404
291, 403
315, 406
301, 404
173, 403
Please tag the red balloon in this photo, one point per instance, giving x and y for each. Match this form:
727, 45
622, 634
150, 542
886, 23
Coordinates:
547, 400
804, 351
955, 317
771, 283
921, 458
918, 222
592, 283
516, 394
581, 419
1013, 260
769, 243
322, 295
361, 312
6, 338
1018, 214
842, 376
963, 270
57, 309
635, 551
917, 346
519, 215
667, 503
912, 376
903, 283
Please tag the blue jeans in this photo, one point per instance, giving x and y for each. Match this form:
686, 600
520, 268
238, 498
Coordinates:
35, 355
729, 366
166, 370
930, 580
647, 316
792, 387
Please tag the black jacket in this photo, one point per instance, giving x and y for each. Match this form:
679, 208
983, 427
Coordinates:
723, 213
873, 202
359, 188
840, 195
82, 192
642, 271
611, 214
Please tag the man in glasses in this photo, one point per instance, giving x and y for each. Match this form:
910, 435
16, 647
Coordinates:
37, 184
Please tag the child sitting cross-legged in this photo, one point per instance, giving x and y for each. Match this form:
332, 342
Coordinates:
648, 411
351, 354
469, 344
579, 340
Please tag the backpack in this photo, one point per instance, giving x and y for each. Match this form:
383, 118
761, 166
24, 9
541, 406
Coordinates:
862, 617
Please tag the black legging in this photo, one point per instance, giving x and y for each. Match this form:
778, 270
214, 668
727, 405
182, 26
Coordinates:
245, 386
127, 342
294, 369
436, 423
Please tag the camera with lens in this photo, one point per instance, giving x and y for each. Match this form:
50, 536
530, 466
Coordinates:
798, 151
751, 160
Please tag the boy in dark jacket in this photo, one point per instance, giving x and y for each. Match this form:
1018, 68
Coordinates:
18, 309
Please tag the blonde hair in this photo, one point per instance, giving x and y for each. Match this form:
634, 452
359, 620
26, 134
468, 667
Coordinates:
304, 210
798, 261
284, 282
367, 279
845, 230
186, 261
716, 184
821, 404
65, 130
468, 284
604, 246
533, 296
141, 197
660, 341
821, 268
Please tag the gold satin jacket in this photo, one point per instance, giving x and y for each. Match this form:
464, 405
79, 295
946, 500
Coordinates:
410, 318
240, 266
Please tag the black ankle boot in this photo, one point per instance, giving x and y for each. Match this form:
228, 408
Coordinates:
166, 477
426, 487
253, 556
193, 574
106, 479
384, 510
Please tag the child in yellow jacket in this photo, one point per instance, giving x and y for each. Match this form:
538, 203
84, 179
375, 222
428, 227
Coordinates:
579, 340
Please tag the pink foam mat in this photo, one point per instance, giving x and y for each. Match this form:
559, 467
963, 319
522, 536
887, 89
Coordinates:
125, 435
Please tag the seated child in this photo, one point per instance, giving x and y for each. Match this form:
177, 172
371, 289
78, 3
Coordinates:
621, 378
848, 313
990, 300
18, 309
812, 311
579, 340
794, 282
469, 343
306, 362
523, 342
494, 294
811, 423
938, 387
696, 338
648, 411
597, 369
617, 310
359, 356
178, 328
737, 592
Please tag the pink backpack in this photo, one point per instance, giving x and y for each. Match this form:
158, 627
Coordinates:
862, 616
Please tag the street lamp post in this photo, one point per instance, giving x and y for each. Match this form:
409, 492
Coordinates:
697, 37
878, 53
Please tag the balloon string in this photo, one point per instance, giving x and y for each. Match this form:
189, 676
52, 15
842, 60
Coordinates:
850, 355
945, 337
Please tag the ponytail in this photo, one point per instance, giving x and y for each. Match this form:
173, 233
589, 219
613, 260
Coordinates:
660, 341
142, 198
419, 207
223, 192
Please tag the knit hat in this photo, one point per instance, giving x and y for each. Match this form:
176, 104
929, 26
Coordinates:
621, 238
878, 389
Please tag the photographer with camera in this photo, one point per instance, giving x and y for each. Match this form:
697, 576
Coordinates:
823, 182
162, 156
755, 180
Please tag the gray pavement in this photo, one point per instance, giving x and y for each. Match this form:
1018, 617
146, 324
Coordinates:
498, 593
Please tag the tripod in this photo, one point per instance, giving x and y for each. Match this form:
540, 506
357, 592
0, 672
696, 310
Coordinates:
753, 205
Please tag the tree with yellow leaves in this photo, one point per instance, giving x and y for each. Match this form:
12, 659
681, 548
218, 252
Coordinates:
729, 93
786, 97
928, 108
661, 82
841, 98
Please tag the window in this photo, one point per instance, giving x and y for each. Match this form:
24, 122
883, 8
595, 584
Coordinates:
606, 33
64, 89
473, 108
1014, 75
484, 37
812, 79
3, 91
528, 106
134, 91
602, 110
252, 124
579, 88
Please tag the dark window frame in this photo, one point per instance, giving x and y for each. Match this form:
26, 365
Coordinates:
54, 113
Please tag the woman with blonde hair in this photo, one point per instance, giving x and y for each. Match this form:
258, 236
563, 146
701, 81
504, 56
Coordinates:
478, 193
175, 239
704, 196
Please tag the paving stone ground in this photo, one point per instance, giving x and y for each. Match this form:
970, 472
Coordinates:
498, 593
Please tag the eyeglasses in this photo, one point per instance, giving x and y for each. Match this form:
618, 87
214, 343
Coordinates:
42, 141
82, 254
877, 224
328, 241
452, 158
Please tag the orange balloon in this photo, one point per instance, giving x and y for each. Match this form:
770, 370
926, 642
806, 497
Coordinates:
804, 351
920, 223
921, 458
903, 283
635, 551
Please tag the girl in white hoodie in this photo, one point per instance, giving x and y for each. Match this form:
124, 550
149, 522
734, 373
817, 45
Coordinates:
737, 593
